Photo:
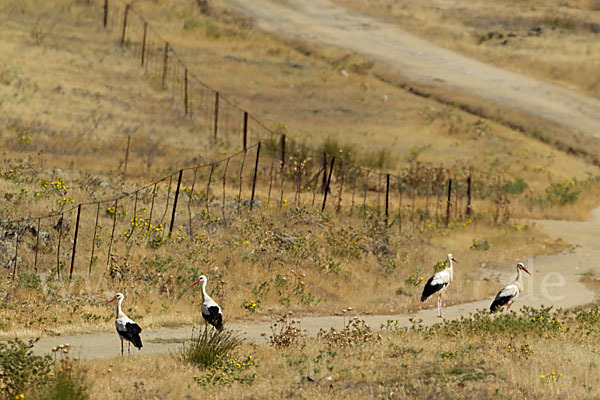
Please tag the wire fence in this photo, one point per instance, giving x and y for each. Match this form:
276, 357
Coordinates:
269, 172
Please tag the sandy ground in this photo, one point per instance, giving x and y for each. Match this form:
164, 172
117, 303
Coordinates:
555, 282
421, 61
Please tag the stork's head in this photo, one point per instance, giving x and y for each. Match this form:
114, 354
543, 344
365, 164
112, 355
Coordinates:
202, 279
451, 258
118, 296
521, 266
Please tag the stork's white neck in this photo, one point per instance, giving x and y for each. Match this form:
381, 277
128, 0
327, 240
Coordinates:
119, 308
204, 295
519, 278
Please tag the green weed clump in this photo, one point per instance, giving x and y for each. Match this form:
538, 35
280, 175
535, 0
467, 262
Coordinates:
20, 369
205, 349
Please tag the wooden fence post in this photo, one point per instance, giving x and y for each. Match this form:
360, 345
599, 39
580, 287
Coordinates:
75, 241
216, 122
468, 206
282, 150
126, 157
449, 201
185, 92
16, 254
144, 43
327, 185
387, 198
105, 13
245, 132
125, 13
324, 180
165, 65
175, 202
255, 173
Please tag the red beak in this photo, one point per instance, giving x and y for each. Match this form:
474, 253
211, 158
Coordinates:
194, 283
525, 269
113, 299
454, 259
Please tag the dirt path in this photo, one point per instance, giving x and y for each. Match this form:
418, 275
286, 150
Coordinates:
555, 282
421, 61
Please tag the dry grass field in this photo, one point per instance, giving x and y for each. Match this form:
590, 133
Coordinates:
69, 99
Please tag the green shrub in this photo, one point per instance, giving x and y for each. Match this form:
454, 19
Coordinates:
515, 187
204, 349
20, 369
30, 280
69, 380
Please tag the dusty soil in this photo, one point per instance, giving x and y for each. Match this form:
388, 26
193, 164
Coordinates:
328, 24
555, 282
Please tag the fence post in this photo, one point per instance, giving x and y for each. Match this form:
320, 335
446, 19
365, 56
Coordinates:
175, 202
126, 157
254, 177
282, 150
16, 253
144, 43
327, 185
165, 65
387, 197
449, 201
185, 92
468, 206
124, 24
94, 240
60, 228
105, 13
75, 241
245, 136
112, 234
37, 245
216, 127
324, 181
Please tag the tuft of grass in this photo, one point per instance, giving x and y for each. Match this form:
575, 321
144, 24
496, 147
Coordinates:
205, 348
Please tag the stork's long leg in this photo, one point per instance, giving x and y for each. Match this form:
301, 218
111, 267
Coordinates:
128, 348
121, 345
508, 308
440, 305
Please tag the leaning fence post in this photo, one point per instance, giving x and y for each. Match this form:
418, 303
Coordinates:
165, 65
124, 24
327, 185
105, 13
449, 201
216, 126
112, 234
175, 201
37, 245
387, 197
468, 206
144, 43
324, 181
75, 241
60, 228
254, 177
126, 157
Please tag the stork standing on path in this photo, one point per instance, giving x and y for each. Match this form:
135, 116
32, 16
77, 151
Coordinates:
509, 294
126, 328
210, 309
439, 282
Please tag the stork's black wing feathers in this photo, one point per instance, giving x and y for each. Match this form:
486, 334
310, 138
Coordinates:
499, 302
214, 317
430, 289
132, 334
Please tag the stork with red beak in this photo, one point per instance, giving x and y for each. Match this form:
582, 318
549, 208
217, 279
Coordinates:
210, 309
439, 282
509, 294
126, 328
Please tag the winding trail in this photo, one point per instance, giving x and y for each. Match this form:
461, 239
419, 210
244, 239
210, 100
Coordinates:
555, 282
326, 23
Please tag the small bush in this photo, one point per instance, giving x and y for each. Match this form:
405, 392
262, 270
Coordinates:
285, 332
355, 333
69, 380
204, 349
30, 280
20, 369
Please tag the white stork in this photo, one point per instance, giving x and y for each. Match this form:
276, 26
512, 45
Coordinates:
126, 328
509, 294
438, 283
210, 309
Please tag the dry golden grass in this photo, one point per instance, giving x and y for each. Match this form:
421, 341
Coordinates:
399, 365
